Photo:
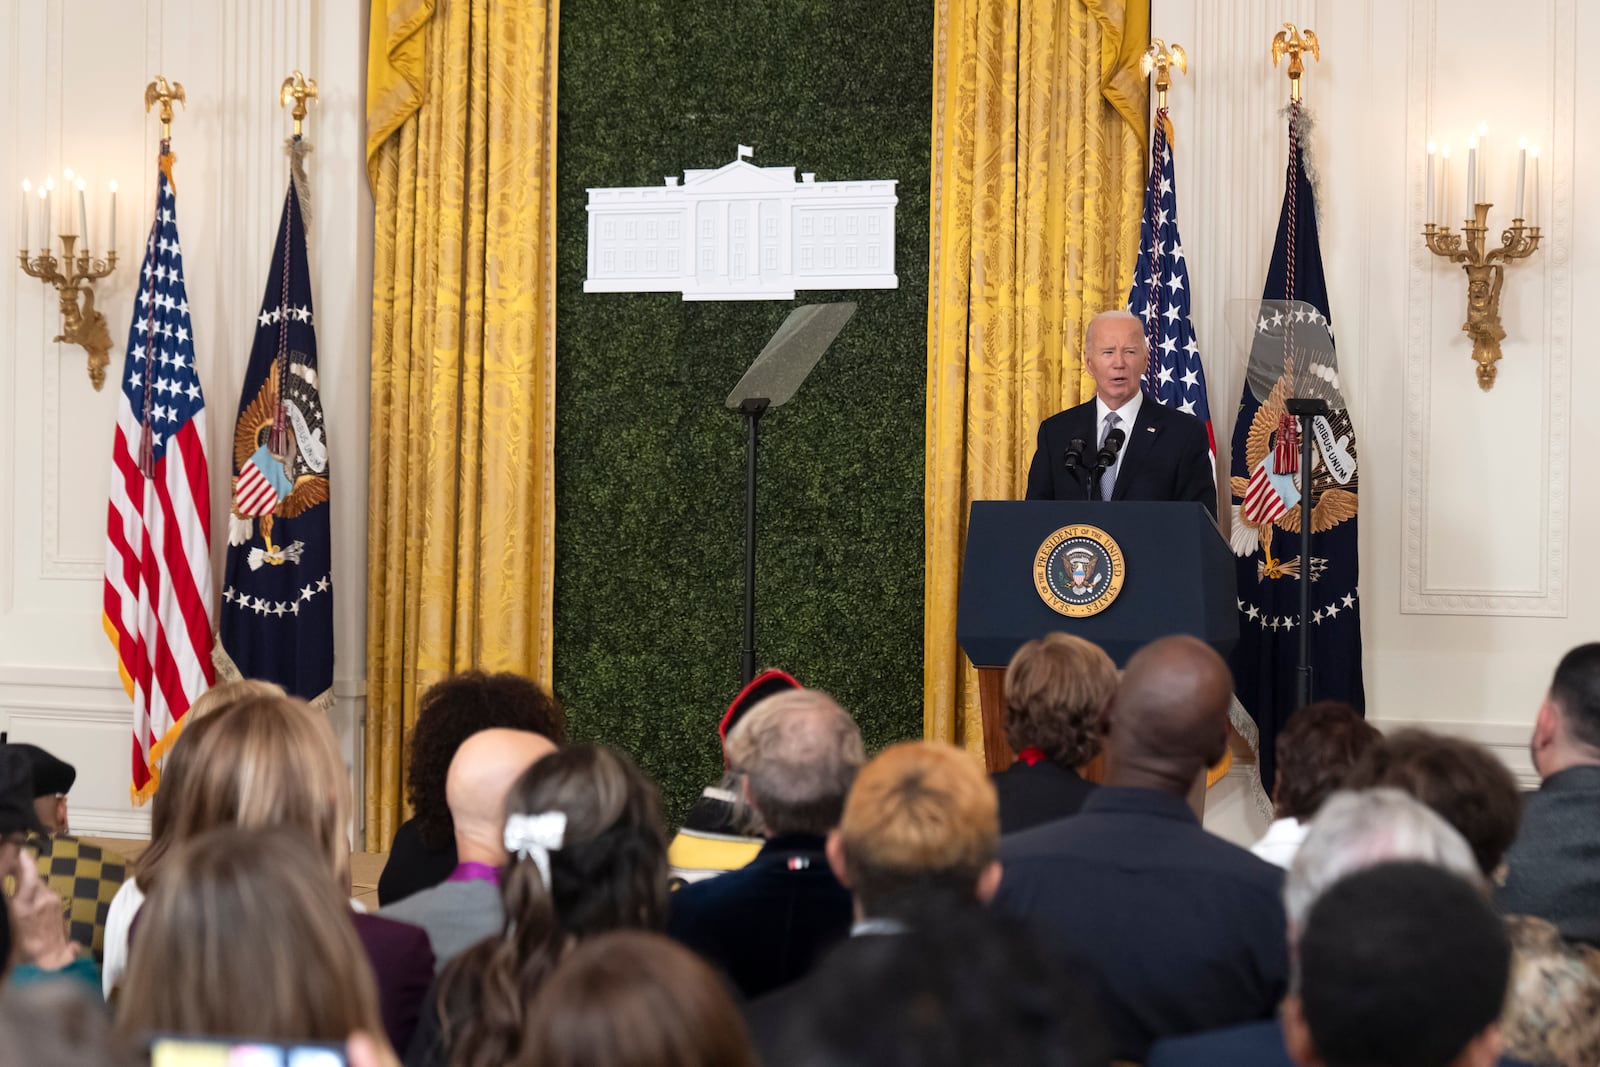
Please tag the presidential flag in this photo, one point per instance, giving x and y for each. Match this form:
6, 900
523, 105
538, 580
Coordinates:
1267, 487
277, 597
1160, 293
157, 606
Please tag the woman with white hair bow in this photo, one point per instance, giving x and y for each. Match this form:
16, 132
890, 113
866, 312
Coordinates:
588, 854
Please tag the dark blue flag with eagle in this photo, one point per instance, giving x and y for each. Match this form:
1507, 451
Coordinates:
1266, 486
277, 597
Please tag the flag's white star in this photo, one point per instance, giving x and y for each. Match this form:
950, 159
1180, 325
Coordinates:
1187, 407
1191, 377
1333, 609
193, 390
1348, 601
1277, 318
1171, 314
183, 337
1175, 282
1164, 375
307, 593
227, 594
295, 607
265, 318
1192, 347
1169, 344
1176, 251
1316, 616
322, 583
1261, 327
1252, 612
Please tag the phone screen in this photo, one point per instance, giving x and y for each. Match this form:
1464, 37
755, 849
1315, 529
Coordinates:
223, 1052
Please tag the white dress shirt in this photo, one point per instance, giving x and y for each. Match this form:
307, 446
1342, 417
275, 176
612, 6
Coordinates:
1127, 415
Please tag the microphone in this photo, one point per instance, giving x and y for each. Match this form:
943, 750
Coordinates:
1109, 450
1075, 454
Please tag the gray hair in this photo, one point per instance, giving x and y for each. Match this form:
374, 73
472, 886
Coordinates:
799, 752
1114, 315
1356, 830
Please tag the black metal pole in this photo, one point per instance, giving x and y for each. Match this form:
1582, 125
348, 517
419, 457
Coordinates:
1303, 669
752, 410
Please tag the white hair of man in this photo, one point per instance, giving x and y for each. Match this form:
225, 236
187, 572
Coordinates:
1356, 830
1114, 315
799, 752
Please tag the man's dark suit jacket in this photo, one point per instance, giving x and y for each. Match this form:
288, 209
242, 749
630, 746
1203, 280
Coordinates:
1553, 868
1167, 456
1251, 1045
1186, 930
402, 962
1033, 796
766, 923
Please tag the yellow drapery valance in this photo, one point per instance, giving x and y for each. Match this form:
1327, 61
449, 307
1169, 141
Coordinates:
460, 568
1039, 130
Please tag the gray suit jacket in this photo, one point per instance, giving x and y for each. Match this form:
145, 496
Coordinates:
456, 915
1553, 869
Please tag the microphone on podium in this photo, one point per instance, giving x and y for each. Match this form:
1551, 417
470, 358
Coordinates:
1074, 456
1104, 461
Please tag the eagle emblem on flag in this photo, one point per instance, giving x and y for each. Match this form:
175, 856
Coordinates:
282, 459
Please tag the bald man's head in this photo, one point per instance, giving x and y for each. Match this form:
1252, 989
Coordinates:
484, 768
1169, 719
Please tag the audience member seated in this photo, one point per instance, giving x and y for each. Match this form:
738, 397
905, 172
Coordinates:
1553, 868
722, 832
1315, 752
631, 999
1461, 780
1186, 930
35, 936
1552, 1012
1056, 690
465, 908
245, 935
917, 841
59, 1024
274, 762
1402, 965
767, 923
423, 853
125, 904
976, 989
589, 855
1351, 832
86, 876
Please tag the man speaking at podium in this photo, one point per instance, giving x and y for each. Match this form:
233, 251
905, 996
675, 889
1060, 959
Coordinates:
1140, 449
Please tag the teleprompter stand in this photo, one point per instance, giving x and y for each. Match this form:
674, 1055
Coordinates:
771, 382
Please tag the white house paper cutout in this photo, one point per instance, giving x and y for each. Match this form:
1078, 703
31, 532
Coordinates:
742, 232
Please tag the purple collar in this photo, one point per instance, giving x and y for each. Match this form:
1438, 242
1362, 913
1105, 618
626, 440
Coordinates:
474, 872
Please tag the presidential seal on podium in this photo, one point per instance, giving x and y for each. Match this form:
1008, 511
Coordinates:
1078, 571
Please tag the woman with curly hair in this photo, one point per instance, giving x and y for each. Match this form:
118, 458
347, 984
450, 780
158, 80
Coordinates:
588, 855
424, 850
1057, 689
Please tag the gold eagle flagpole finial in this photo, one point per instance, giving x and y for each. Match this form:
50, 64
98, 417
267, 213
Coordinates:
164, 93
1160, 59
300, 89
1293, 42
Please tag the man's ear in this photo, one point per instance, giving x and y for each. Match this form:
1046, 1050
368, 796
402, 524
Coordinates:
989, 882
62, 825
1296, 1034
1546, 725
835, 851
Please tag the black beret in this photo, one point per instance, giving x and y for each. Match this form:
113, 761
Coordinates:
16, 793
50, 775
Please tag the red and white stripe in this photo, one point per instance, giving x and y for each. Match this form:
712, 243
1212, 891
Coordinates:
253, 494
158, 610
1262, 503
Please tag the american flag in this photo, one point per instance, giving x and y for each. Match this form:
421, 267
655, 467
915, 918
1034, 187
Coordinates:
1160, 293
158, 597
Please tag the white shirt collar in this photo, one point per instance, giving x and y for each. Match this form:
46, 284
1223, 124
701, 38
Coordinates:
1127, 414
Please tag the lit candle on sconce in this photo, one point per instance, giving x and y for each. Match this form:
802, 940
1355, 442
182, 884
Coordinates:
23, 229
112, 243
1428, 215
49, 220
83, 218
1444, 185
1522, 172
1472, 172
1483, 163
1533, 216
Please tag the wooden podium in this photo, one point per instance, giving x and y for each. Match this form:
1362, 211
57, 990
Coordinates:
1177, 578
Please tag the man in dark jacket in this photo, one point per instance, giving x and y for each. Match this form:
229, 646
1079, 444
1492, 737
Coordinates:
1553, 868
766, 923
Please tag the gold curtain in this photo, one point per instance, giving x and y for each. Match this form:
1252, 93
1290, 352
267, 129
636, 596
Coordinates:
1039, 131
461, 150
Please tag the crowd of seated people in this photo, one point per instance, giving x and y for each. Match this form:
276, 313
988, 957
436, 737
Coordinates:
1408, 906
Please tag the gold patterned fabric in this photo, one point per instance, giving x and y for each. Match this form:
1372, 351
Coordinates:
460, 562
1039, 129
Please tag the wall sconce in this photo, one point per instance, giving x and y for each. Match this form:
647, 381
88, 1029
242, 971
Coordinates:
1485, 267
76, 271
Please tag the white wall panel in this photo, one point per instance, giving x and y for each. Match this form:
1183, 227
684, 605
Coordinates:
72, 73
1474, 506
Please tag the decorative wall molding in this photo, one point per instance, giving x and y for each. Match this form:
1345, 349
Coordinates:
1419, 595
1507, 740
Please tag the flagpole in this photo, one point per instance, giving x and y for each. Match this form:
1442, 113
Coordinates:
1293, 42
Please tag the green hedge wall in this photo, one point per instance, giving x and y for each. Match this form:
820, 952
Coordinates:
650, 465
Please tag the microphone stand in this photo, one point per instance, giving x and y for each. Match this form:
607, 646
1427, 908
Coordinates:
752, 409
1306, 409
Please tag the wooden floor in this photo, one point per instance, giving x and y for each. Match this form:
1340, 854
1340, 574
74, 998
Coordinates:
364, 866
